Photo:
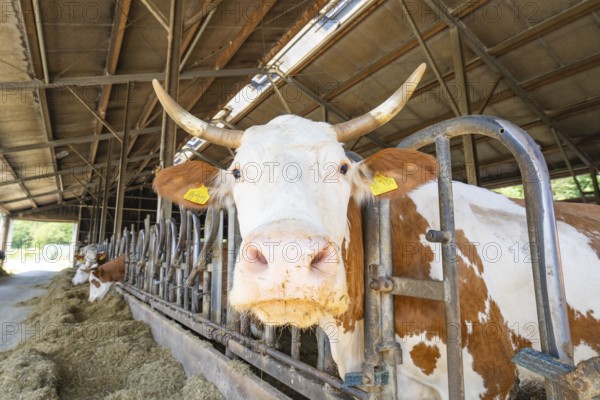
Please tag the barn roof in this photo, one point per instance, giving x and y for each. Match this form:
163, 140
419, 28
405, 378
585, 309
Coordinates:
68, 71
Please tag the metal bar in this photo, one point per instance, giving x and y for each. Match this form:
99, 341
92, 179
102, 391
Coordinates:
123, 163
202, 13
169, 127
372, 303
421, 288
126, 78
162, 20
489, 96
296, 343
96, 170
216, 269
76, 140
40, 35
547, 269
234, 241
469, 148
107, 183
117, 34
325, 360
456, 389
569, 166
99, 118
198, 35
240, 344
10, 170
45, 114
430, 59
392, 352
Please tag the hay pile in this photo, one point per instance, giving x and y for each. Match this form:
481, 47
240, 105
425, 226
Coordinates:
81, 350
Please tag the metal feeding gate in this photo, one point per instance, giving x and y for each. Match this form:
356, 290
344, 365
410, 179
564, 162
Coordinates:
178, 270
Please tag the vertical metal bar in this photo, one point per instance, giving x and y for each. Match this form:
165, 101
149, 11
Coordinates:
216, 267
569, 166
93, 222
123, 163
372, 298
189, 257
296, 337
107, 182
234, 240
456, 388
460, 77
596, 187
270, 335
325, 359
388, 331
169, 128
195, 300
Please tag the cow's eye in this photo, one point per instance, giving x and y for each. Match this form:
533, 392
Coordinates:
343, 169
236, 174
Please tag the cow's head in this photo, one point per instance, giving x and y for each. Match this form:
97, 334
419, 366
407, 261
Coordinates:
88, 260
291, 182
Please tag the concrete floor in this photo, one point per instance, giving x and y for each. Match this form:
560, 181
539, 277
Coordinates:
13, 289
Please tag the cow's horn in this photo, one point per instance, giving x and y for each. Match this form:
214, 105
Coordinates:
375, 118
195, 126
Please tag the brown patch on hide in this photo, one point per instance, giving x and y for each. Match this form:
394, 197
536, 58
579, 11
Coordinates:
409, 168
425, 357
583, 217
173, 183
584, 328
489, 343
112, 271
353, 257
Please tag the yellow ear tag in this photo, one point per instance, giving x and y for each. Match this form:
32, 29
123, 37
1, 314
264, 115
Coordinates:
198, 195
382, 184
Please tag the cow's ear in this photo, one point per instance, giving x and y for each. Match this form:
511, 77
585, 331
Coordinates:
187, 181
408, 168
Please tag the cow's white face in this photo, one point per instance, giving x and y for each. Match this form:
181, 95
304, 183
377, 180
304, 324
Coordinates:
292, 195
291, 183
98, 289
90, 255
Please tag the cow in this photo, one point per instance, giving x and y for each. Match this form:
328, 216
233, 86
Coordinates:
86, 261
102, 278
301, 260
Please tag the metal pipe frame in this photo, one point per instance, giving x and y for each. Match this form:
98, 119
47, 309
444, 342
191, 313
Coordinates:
308, 380
159, 249
546, 265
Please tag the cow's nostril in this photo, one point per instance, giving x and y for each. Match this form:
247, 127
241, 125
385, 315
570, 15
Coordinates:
256, 257
324, 257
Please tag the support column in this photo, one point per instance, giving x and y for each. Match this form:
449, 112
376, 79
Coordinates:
4, 232
107, 182
122, 167
464, 106
169, 128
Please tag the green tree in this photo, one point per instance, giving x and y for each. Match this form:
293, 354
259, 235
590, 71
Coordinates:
53, 232
21, 235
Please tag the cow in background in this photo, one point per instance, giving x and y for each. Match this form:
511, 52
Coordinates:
88, 259
307, 198
102, 278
